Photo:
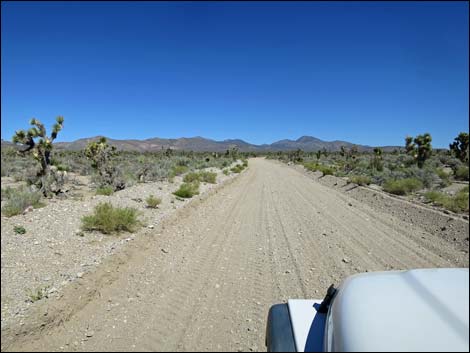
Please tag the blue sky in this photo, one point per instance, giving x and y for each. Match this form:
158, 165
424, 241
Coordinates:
368, 73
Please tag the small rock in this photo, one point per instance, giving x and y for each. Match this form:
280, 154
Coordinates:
80, 275
346, 261
89, 334
151, 226
165, 251
287, 271
443, 228
36, 243
28, 209
349, 204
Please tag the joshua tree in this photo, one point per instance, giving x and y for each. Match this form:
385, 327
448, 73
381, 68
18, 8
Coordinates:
410, 146
424, 148
419, 147
460, 147
377, 160
296, 156
100, 153
318, 154
49, 180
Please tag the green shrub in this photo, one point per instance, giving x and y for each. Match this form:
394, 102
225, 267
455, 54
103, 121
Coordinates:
360, 179
208, 177
326, 170
457, 203
188, 190
402, 186
245, 162
237, 169
226, 171
153, 202
7, 192
313, 167
19, 230
105, 190
38, 294
461, 173
191, 177
179, 169
20, 199
108, 219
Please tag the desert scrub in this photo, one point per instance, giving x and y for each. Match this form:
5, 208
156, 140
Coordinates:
19, 230
105, 190
153, 202
208, 177
109, 219
19, 200
360, 179
226, 172
326, 170
37, 294
237, 169
188, 190
191, 177
178, 170
311, 166
456, 203
461, 173
443, 176
402, 186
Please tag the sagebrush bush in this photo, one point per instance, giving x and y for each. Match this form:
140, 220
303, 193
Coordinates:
208, 177
179, 169
311, 166
188, 190
105, 190
402, 186
237, 169
456, 203
461, 173
109, 219
190, 177
360, 179
326, 170
20, 199
153, 202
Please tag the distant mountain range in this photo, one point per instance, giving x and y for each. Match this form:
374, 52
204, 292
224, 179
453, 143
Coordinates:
201, 144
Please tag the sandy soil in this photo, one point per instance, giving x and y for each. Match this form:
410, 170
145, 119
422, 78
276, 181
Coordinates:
204, 279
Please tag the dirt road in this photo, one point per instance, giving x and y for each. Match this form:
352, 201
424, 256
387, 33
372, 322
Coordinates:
206, 281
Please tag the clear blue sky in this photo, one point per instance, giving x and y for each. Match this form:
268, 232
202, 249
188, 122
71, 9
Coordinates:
368, 73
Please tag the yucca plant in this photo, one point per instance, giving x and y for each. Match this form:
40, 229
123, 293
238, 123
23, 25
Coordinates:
49, 180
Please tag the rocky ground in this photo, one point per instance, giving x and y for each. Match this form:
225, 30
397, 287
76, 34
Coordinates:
55, 252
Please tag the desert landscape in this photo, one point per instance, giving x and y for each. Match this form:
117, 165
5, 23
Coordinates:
234, 176
207, 241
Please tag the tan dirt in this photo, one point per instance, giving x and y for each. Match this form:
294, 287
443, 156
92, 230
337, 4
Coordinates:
205, 279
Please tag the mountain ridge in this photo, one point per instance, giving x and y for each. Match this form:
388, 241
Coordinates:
201, 144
